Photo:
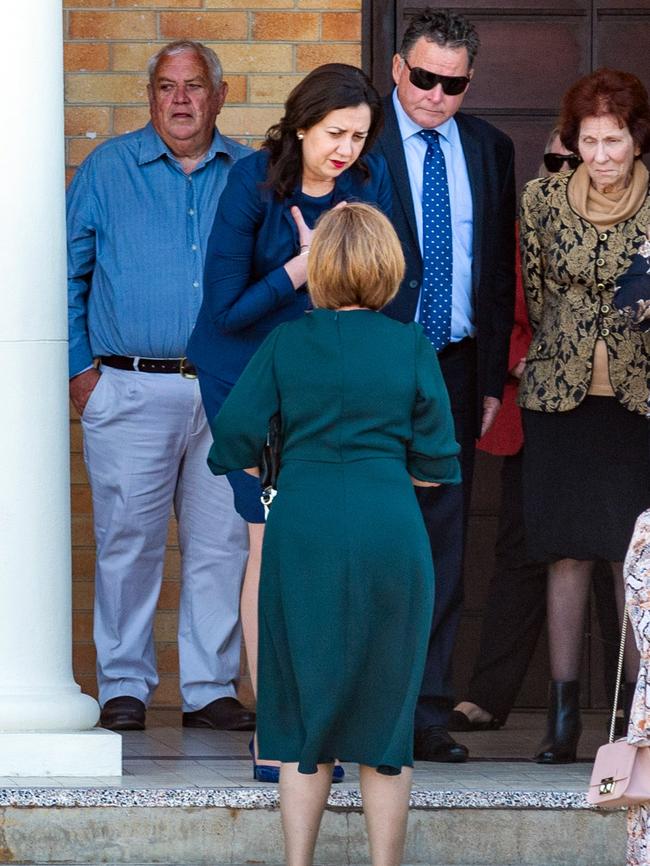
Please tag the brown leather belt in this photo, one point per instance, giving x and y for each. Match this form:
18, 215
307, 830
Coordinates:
151, 365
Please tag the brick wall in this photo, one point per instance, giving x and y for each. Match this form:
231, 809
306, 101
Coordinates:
266, 47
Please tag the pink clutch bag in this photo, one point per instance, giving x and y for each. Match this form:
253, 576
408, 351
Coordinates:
621, 776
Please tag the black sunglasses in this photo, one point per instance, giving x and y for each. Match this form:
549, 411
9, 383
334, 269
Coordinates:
555, 161
452, 85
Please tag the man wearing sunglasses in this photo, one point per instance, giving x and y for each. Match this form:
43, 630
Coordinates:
453, 209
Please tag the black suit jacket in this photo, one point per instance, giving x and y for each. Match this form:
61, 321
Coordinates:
489, 155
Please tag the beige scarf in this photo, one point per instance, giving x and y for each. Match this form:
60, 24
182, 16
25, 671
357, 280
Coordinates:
604, 210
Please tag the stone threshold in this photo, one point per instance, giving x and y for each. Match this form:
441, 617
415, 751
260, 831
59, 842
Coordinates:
259, 798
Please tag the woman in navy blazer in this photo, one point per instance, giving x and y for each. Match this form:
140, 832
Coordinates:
256, 264
247, 288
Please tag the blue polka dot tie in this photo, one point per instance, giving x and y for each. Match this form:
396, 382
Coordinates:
435, 299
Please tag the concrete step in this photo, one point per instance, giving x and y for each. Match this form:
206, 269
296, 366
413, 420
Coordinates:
212, 827
187, 799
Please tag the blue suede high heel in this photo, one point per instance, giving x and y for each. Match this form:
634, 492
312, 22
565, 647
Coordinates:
263, 772
266, 773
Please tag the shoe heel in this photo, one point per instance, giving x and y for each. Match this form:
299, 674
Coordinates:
262, 772
563, 724
553, 756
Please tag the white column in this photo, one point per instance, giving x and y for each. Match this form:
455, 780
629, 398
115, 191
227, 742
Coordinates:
37, 691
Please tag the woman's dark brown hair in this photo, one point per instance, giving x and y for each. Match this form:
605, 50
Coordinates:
606, 91
326, 88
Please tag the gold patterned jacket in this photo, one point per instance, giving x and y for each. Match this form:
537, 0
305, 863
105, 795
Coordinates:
569, 273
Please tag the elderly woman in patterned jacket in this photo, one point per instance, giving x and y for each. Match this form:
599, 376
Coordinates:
584, 391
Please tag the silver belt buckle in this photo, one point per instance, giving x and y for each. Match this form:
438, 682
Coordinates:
184, 373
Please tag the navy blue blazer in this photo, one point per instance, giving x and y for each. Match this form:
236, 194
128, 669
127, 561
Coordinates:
246, 290
489, 155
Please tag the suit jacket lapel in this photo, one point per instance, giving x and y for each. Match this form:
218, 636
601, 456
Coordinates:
286, 206
391, 145
473, 160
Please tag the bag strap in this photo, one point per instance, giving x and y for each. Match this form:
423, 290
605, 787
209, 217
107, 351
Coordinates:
619, 674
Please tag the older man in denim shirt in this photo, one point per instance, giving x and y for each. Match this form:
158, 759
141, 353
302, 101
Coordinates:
140, 210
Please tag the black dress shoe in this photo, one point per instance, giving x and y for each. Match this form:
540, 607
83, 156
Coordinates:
435, 744
459, 721
224, 714
123, 714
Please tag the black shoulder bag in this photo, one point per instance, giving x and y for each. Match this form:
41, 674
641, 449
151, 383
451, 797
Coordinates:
270, 462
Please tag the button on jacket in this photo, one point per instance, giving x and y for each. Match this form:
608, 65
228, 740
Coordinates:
570, 271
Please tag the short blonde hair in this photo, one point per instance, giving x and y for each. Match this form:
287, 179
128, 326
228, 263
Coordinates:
355, 259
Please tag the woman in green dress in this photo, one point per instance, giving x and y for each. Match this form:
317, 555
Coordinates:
346, 591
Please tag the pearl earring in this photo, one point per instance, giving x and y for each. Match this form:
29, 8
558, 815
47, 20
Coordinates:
300, 135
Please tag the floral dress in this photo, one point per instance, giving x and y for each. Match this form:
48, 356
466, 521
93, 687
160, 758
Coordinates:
637, 592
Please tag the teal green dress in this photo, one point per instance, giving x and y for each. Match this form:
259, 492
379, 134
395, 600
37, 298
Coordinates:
346, 591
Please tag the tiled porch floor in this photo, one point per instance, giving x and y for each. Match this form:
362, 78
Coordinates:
168, 756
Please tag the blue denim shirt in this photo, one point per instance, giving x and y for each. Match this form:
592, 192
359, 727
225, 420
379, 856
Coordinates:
138, 228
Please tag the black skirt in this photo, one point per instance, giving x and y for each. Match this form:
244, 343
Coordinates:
586, 480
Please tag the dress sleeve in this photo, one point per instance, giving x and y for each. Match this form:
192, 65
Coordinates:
497, 322
384, 193
531, 253
521, 332
239, 429
431, 453
234, 299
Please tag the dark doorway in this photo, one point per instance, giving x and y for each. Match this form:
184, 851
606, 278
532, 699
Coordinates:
530, 53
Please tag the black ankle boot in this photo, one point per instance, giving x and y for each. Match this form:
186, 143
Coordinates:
564, 726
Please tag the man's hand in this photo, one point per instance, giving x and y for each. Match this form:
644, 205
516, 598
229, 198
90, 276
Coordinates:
491, 408
81, 387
